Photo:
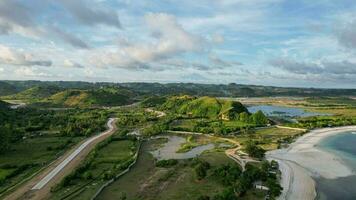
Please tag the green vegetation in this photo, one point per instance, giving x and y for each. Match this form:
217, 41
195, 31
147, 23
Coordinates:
146, 181
324, 121
7, 89
31, 138
166, 163
204, 107
211, 175
188, 145
89, 98
268, 138
254, 150
153, 101
105, 162
35, 93
3, 105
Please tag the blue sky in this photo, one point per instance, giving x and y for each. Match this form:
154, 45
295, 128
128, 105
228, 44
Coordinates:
299, 43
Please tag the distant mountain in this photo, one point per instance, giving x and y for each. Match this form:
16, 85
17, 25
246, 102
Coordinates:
36, 93
194, 89
7, 89
89, 98
206, 107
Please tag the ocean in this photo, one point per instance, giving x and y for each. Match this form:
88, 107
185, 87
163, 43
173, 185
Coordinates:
343, 145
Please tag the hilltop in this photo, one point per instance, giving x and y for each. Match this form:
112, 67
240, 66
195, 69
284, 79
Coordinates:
88, 98
7, 89
206, 107
35, 93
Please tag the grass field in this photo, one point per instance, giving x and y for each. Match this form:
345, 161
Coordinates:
191, 124
111, 159
30, 155
268, 138
146, 181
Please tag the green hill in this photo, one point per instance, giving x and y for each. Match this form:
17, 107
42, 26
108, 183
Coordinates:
35, 93
7, 89
206, 107
88, 98
153, 101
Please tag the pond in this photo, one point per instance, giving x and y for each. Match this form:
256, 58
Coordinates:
168, 151
280, 111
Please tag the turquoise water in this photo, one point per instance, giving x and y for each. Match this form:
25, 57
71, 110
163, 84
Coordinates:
343, 145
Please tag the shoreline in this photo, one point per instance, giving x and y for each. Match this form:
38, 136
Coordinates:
303, 160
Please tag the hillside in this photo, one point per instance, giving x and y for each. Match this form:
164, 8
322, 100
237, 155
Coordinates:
206, 107
3, 105
7, 89
35, 93
88, 98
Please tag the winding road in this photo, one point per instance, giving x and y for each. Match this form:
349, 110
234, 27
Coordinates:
40, 185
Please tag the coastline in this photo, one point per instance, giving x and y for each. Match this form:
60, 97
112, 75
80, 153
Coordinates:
303, 160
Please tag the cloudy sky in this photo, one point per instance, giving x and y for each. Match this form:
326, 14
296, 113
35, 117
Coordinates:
271, 42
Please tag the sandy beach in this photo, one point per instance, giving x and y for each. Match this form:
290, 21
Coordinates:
303, 160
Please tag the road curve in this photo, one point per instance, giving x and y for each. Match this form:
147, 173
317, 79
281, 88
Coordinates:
39, 186
65, 162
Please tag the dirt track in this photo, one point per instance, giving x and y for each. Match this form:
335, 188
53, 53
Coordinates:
26, 190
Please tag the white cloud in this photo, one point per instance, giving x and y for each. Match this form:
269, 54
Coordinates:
168, 39
12, 57
71, 64
30, 72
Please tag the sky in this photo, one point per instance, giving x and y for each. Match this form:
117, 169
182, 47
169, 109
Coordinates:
294, 43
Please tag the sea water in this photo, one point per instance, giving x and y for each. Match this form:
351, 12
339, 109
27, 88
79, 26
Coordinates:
344, 146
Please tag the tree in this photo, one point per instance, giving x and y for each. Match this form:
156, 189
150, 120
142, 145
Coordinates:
201, 169
274, 187
244, 117
4, 138
203, 197
259, 118
254, 151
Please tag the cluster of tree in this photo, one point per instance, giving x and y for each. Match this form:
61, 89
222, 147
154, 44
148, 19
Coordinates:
166, 163
201, 169
254, 150
237, 183
31, 122
258, 118
324, 121
134, 119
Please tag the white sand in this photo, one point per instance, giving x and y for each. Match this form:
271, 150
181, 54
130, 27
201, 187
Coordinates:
303, 160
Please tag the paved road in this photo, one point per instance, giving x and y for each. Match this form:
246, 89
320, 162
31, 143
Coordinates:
65, 162
40, 185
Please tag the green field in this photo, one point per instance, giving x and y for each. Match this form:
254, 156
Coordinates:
146, 181
28, 156
269, 138
105, 162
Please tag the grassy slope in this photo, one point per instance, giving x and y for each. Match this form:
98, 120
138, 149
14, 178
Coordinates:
3, 105
86, 98
206, 107
7, 89
35, 93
